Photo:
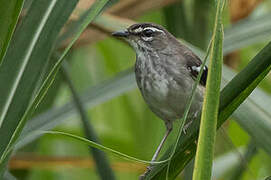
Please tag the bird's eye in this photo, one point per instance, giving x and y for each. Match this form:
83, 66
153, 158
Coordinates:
148, 33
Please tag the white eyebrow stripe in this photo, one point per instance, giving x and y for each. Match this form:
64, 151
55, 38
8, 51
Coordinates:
138, 30
154, 29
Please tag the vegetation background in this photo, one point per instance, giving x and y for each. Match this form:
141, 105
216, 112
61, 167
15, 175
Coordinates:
94, 94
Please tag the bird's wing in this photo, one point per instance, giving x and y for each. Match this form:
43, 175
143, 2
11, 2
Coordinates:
193, 64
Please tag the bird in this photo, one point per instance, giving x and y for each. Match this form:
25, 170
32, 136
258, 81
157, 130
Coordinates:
165, 72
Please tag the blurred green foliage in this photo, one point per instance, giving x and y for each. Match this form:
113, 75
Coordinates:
125, 123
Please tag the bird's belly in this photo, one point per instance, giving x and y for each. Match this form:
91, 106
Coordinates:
157, 90
164, 97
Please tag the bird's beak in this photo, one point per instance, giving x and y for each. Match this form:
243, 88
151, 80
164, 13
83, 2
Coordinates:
123, 33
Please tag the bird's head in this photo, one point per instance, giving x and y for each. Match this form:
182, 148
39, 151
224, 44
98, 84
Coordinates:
146, 36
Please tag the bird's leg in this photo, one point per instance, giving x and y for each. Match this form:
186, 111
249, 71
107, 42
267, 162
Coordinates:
169, 129
186, 126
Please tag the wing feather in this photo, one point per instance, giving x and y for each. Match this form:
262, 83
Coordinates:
193, 64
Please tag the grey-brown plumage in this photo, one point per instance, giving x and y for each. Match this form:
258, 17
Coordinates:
165, 72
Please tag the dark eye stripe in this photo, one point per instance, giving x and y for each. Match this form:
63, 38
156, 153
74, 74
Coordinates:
147, 33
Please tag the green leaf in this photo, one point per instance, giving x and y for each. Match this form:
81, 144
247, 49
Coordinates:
176, 20
251, 151
17, 128
98, 146
103, 92
200, 27
9, 176
247, 32
253, 115
227, 162
24, 62
239, 35
255, 120
8, 19
188, 106
209, 116
102, 164
126, 82
243, 83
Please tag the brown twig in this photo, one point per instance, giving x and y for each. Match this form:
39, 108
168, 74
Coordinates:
28, 161
239, 9
101, 28
127, 9
139, 7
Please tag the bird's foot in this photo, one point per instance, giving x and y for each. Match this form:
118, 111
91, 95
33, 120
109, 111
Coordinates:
186, 126
148, 170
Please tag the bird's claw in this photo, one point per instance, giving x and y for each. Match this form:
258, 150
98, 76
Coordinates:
186, 126
148, 170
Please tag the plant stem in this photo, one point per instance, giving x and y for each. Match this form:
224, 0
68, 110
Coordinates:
99, 157
251, 151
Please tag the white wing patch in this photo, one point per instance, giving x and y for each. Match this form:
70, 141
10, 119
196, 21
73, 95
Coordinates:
197, 68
